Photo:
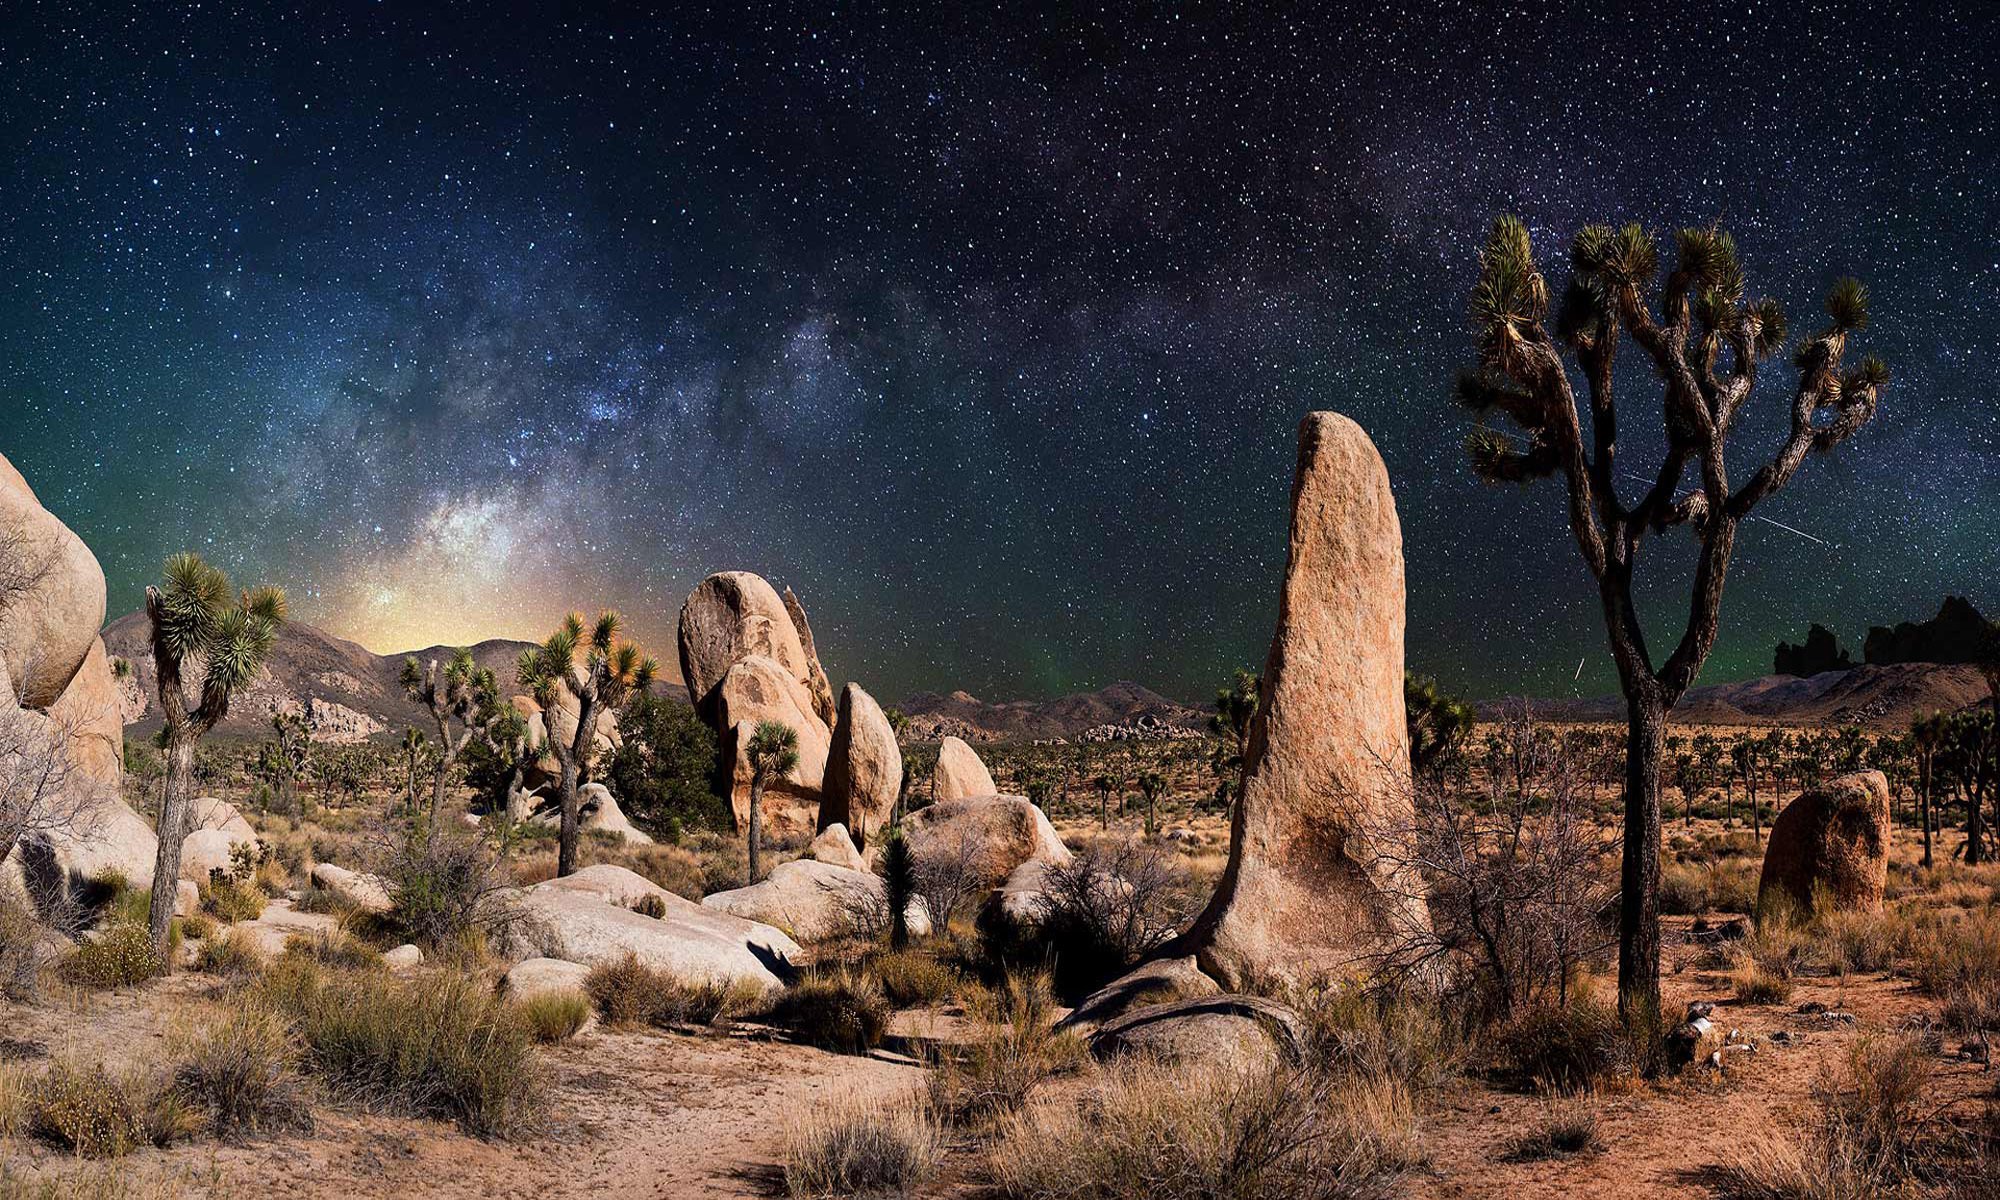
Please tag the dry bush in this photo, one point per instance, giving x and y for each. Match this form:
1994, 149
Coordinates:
1575, 1047
1723, 885
85, 1110
313, 898
861, 1148
233, 954
1845, 941
25, 952
993, 1074
334, 948
1956, 958
445, 882
912, 977
1567, 1126
230, 900
198, 927
1358, 1031
238, 1069
837, 1010
1758, 984
629, 993
555, 1016
1111, 904
441, 1045
1865, 1137
1169, 1133
120, 957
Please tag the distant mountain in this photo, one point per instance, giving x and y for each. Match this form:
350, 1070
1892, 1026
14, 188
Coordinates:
961, 714
351, 692
1880, 697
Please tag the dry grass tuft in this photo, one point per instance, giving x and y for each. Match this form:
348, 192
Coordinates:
1567, 1127
629, 993
854, 1148
993, 1075
1865, 1138
556, 1016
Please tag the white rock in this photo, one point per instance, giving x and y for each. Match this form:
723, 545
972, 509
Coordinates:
369, 893
403, 956
814, 900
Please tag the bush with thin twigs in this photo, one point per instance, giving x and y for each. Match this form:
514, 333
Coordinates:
556, 1016
238, 1069
198, 927
1192, 1131
1956, 959
861, 1148
1110, 905
992, 1075
1575, 1047
1566, 1127
650, 905
233, 954
1848, 940
440, 1045
230, 900
84, 1109
628, 993
24, 951
1865, 1137
119, 957
445, 881
837, 1010
313, 898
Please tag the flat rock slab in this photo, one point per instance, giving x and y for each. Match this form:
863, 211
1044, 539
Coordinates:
575, 922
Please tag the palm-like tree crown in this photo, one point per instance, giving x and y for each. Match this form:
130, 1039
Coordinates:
773, 750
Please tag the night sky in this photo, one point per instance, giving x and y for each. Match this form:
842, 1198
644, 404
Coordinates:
986, 331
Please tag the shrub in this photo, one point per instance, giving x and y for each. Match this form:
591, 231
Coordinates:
1169, 1133
444, 881
993, 1075
1358, 1032
556, 1016
1847, 940
235, 953
650, 906
237, 1069
198, 926
83, 1109
23, 951
628, 993
1108, 907
1569, 1048
1957, 960
859, 1148
1567, 1126
1758, 984
1865, 1137
840, 1011
121, 956
231, 900
335, 948
441, 1045
910, 977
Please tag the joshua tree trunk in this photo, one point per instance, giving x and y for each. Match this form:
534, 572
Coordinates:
1639, 878
1750, 785
175, 798
566, 788
756, 824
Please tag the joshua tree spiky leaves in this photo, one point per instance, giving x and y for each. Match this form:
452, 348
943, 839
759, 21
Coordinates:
194, 623
1439, 725
774, 753
460, 690
1704, 343
1151, 784
1234, 706
898, 868
611, 671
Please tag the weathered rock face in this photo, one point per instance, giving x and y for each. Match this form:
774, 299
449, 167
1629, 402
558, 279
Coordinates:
864, 768
1231, 1033
814, 900
206, 850
835, 847
960, 773
367, 893
92, 713
207, 812
816, 681
728, 617
992, 835
1303, 894
1831, 843
105, 836
758, 689
601, 814
533, 977
573, 921
51, 595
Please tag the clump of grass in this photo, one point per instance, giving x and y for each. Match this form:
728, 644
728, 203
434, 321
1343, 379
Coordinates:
1957, 960
650, 905
1355, 1031
1569, 1048
229, 899
334, 948
1865, 1138
912, 977
628, 993
1758, 984
198, 926
238, 1069
1849, 940
993, 1075
84, 1109
1190, 1131
837, 1011
440, 1045
234, 954
119, 957
1566, 1127
854, 1148
315, 899
556, 1016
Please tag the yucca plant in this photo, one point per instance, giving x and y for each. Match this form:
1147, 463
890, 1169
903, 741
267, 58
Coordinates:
773, 753
458, 690
612, 671
1704, 343
898, 868
196, 625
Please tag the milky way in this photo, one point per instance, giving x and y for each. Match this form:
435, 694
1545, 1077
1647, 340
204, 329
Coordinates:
988, 333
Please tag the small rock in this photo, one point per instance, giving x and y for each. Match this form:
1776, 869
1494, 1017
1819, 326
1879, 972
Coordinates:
405, 955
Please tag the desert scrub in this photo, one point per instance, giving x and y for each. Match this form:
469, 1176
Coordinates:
912, 977
198, 927
991, 1076
1357, 1032
237, 1068
1575, 1047
555, 1016
1191, 1132
837, 1011
23, 951
334, 948
1956, 959
440, 1046
85, 1110
119, 957
230, 900
1844, 941
1758, 984
861, 1148
629, 993
1865, 1138
233, 954
1567, 1126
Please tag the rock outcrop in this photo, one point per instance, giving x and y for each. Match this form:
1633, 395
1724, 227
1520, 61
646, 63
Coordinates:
51, 595
586, 918
990, 836
601, 814
756, 690
1831, 844
835, 847
357, 889
864, 768
816, 681
1228, 1032
813, 900
730, 616
960, 773
91, 714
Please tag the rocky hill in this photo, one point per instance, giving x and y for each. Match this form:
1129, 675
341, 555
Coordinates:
1119, 706
1879, 697
351, 692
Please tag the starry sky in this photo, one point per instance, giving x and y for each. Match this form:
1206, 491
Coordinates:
986, 330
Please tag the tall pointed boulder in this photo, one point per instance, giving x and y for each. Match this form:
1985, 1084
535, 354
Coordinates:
864, 769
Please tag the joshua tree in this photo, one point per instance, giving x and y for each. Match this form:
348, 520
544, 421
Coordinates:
1704, 344
195, 624
1926, 739
1103, 784
1151, 784
899, 884
611, 671
1235, 705
773, 753
1439, 726
289, 757
416, 749
461, 691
